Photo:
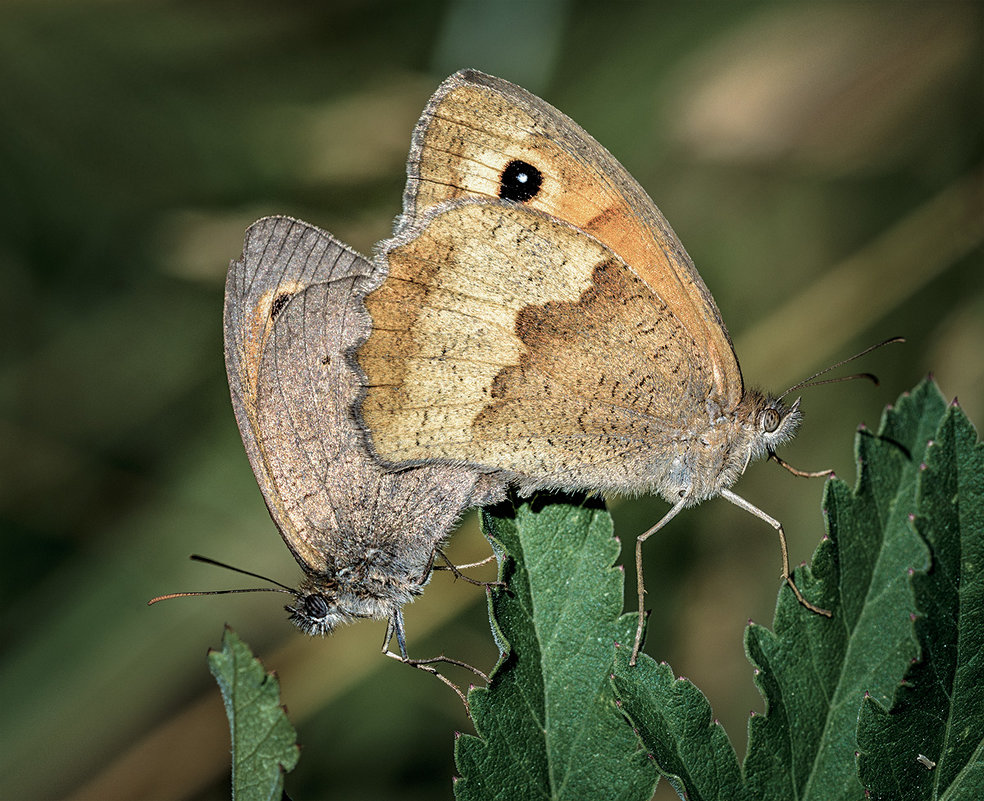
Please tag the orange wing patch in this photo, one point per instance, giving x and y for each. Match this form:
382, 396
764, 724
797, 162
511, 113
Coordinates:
475, 125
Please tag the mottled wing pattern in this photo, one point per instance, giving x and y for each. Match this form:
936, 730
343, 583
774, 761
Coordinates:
293, 311
476, 124
281, 258
509, 339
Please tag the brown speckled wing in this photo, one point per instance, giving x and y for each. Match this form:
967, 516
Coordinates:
509, 339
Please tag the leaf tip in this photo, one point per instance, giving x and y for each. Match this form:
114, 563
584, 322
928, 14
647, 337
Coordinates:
955, 403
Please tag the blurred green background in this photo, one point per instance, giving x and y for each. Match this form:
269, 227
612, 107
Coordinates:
821, 162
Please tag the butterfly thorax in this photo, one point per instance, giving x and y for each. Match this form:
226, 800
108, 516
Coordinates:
713, 454
374, 587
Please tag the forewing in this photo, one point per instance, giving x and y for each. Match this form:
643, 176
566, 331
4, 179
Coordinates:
476, 124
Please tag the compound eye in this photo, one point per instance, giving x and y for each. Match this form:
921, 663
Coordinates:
316, 607
770, 420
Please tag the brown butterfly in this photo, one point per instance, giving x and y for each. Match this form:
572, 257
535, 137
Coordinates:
539, 318
365, 538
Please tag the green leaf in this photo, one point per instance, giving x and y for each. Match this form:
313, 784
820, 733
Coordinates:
548, 726
264, 744
813, 672
674, 719
938, 711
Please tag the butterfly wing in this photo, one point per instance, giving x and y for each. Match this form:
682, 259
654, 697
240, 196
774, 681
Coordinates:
507, 338
476, 125
293, 311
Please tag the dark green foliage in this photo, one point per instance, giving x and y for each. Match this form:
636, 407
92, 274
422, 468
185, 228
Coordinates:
264, 743
816, 674
938, 710
547, 725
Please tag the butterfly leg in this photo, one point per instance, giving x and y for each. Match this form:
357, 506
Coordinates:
395, 626
640, 581
801, 473
456, 569
787, 575
452, 568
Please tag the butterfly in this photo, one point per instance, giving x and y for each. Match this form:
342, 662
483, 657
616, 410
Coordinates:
539, 318
365, 537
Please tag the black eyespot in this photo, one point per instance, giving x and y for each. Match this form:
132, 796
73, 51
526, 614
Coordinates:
770, 420
520, 182
278, 304
315, 606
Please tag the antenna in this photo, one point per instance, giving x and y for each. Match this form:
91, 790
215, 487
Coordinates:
809, 382
278, 588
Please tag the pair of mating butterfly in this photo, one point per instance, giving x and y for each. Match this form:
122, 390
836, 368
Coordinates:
533, 322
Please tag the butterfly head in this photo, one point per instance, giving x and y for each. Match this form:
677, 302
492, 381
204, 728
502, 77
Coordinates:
316, 612
768, 423
322, 602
